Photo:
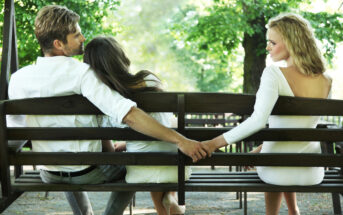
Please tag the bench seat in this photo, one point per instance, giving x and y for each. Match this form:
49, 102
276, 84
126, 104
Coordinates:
198, 182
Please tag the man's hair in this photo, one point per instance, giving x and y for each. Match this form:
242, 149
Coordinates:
54, 22
298, 36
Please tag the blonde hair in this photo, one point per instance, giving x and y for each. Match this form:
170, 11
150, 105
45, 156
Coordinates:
54, 22
298, 37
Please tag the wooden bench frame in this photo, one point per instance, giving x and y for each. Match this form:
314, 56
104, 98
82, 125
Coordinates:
180, 103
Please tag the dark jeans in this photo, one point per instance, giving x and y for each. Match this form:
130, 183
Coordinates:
79, 201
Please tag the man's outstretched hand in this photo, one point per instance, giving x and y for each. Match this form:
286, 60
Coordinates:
194, 149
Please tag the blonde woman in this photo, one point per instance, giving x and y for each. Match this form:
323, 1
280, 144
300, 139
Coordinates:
290, 39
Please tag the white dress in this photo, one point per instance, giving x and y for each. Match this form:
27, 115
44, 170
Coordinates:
154, 174
274, 84
150, 174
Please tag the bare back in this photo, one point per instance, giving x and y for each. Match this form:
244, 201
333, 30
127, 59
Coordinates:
307, 86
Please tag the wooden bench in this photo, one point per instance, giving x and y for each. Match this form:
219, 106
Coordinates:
180, 103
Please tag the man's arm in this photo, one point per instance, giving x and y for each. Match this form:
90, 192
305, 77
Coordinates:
143, 123
123, 110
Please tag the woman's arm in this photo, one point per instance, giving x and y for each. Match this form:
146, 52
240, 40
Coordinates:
266, 98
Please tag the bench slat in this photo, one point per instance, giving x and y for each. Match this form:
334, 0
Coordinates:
169, 158
35, 187
167, 102
261, 187
271, 134
250, 180
248, 177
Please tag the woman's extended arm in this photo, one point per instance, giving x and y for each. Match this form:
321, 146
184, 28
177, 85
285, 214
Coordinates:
266, 98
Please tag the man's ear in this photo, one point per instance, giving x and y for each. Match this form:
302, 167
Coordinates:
58, 45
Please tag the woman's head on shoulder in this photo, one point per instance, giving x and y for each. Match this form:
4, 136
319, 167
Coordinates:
112, 66
291, 38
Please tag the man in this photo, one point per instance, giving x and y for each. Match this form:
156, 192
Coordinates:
57, 74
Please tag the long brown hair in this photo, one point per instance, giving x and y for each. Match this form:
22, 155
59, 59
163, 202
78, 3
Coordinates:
111, 65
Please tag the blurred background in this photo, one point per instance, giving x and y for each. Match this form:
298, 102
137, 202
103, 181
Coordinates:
193, 45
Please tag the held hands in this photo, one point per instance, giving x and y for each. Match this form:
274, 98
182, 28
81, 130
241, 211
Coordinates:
194, 149
214, 144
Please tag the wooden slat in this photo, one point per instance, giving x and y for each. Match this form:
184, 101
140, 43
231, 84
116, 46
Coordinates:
166, 102
328, 185
260, 187
291, 134
35, 187
76, 104
251, 180
169, 158
272, 134
271, 159
89, 158
197, 177
243, 104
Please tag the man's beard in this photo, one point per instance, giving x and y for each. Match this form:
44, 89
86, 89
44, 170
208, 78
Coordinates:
78, 51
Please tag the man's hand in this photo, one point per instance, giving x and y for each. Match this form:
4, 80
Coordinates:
193, 149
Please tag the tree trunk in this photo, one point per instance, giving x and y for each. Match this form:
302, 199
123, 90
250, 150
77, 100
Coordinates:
254, 59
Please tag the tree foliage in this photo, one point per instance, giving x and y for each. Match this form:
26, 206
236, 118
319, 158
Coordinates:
214, 35
92, 15
146, 39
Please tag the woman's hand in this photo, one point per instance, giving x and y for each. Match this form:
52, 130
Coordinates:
214, 144
257, 150
120, 146
193, 149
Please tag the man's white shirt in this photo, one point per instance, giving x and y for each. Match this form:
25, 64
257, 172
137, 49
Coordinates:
61, 76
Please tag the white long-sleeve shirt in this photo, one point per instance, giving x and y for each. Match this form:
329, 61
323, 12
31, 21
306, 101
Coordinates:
61, 76
274, 84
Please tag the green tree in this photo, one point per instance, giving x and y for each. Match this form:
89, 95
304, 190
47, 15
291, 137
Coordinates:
92, 16
146, 40
229, 24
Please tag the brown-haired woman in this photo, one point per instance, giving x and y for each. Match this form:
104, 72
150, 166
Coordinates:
111, 65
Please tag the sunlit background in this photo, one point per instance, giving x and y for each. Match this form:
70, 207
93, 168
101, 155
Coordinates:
153, 35
146, 40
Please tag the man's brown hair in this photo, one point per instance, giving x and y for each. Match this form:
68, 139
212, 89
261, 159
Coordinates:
54, 22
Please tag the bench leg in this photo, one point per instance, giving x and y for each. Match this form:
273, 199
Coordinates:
336, 203
7, 201
131, 207
18, 170
245, 203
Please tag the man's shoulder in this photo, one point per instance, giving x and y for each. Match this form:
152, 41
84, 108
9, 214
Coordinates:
24, 71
